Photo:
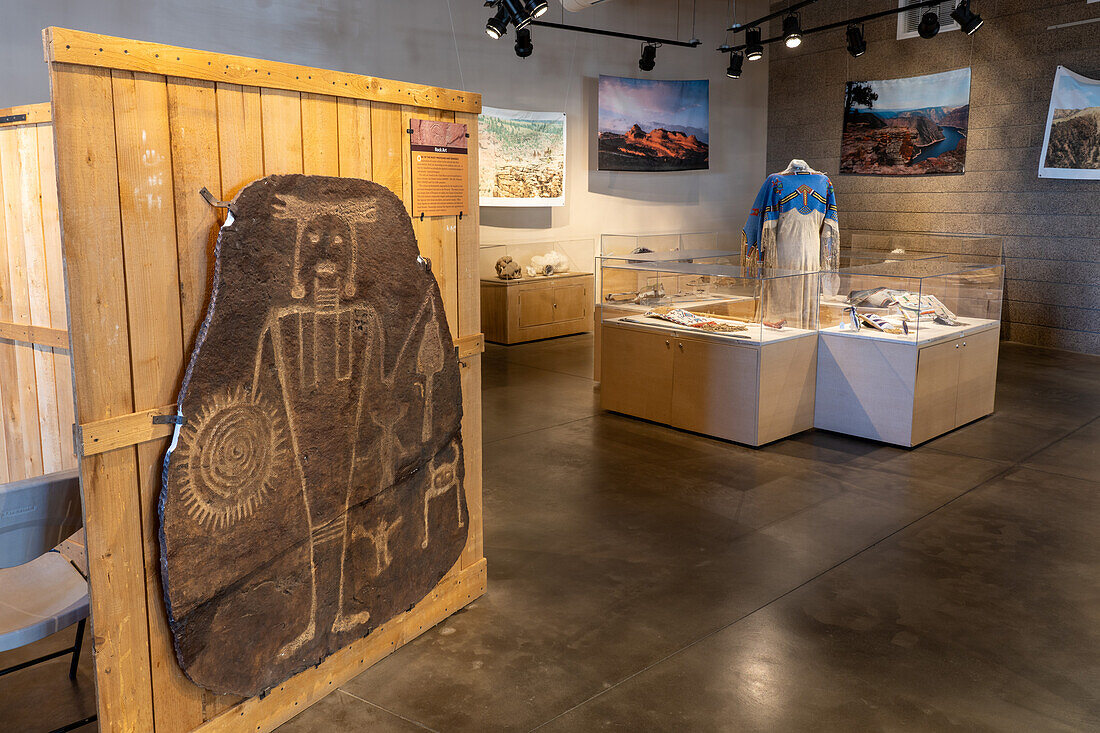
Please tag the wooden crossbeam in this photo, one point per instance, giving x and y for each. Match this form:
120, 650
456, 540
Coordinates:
138, 427
31, 114
57, 338
470, 345
118, 432
92, 49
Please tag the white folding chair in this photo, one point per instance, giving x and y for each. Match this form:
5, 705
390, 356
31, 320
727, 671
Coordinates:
41, 591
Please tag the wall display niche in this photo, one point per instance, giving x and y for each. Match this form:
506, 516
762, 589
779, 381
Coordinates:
521, 158
315, 489
653, 125
906, 127
1071, 144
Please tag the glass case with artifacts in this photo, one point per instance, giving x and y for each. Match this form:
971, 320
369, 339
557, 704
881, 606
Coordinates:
914, 300
712, 348
698, 296
864, 247
908, 348
535, 290
683, 246
529, 260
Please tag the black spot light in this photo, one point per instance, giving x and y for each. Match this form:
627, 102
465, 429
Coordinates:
857, 44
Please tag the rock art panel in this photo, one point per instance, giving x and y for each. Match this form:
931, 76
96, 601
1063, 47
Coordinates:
315, 489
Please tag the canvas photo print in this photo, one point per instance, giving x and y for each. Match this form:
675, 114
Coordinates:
521, 157
1071, 144
906, 127
653, 125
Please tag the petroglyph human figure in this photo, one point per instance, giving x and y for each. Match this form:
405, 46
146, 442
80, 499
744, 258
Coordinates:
315, 344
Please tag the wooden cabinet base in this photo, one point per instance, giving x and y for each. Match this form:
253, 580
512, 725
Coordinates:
749, 393
902, 393
514, 311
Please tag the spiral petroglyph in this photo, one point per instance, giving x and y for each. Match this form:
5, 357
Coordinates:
232, 451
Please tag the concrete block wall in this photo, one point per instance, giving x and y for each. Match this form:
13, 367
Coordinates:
1051, 228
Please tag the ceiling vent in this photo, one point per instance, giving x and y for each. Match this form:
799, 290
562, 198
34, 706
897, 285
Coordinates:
574, 6
910, 19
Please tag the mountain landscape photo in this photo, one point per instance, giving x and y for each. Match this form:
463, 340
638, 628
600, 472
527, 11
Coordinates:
653, 150
1074, 139
653, 125
883, 137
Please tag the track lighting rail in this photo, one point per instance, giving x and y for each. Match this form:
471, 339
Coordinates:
693, 43
839, 23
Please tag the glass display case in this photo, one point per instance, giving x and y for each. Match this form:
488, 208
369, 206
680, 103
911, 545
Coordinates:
682, 246
530, 260
864, 247
916, 300
708, 347
908, 348
716, 248
536, 290
701, 297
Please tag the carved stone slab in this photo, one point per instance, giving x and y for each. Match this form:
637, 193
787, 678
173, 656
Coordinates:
315, 490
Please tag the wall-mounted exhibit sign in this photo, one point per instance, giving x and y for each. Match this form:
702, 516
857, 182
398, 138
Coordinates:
439, 173
1071, 145
906, 127
521, 157
653, 125
315, 490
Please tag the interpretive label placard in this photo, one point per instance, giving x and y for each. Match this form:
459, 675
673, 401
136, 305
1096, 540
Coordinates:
439, 168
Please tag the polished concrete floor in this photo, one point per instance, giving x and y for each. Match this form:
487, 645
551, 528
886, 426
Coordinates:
642, 578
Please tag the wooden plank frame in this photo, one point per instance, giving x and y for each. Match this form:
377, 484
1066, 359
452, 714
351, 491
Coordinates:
36, 393
140, 127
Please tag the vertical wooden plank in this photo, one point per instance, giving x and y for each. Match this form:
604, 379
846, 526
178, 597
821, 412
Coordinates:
435, 235
320, 135
388, 145
240, 138
55, 283
193, 123
193, 108
471, 446
405, 150
25, 389
446, 229
38, 297
10, 449
282, 131
9, 379
88, 196
468, 295
147, 203
353, 121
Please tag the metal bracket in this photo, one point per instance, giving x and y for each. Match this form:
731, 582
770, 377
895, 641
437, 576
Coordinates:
169, 420
212, 200
424, 262
13, 118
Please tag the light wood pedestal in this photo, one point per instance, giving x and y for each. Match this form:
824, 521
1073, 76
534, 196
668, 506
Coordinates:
514, 311
751, 392
902, 391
